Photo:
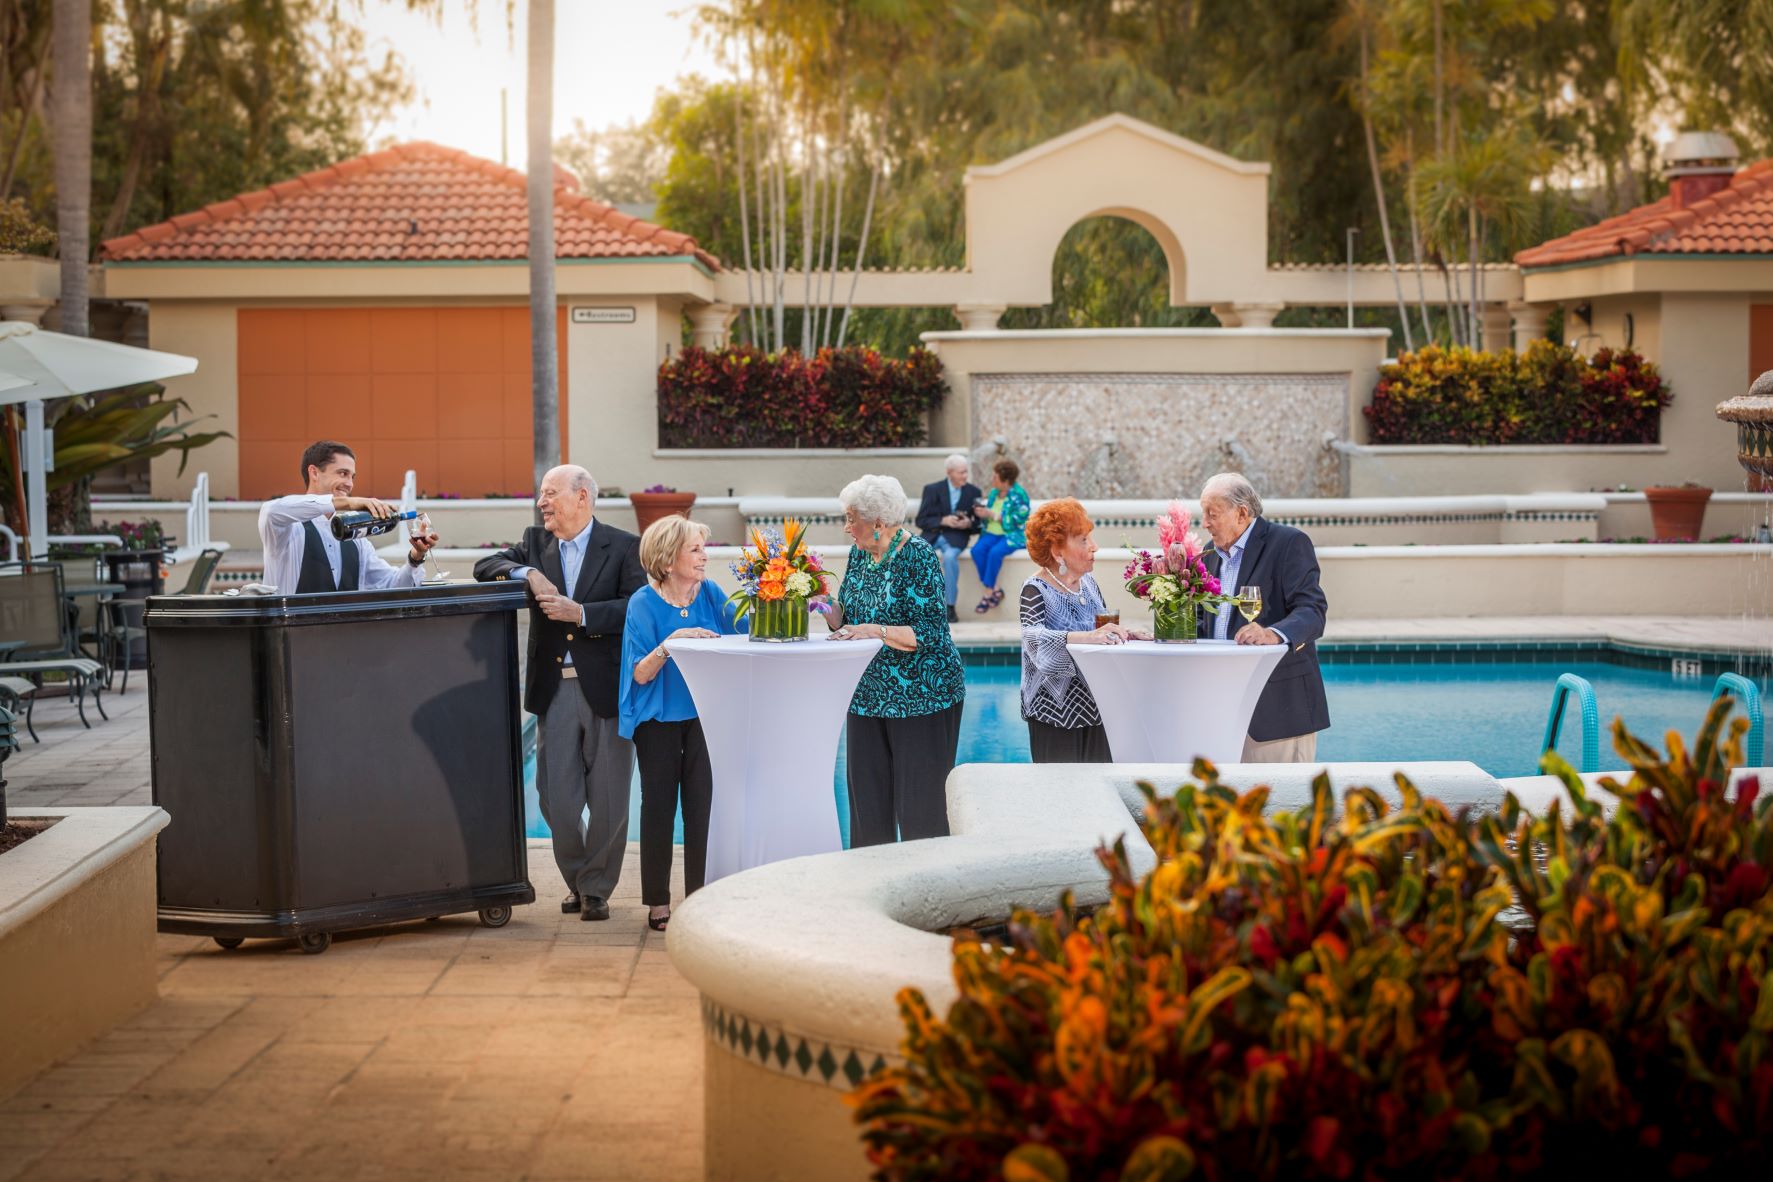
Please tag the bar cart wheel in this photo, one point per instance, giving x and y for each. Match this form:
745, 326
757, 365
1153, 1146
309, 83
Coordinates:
314, 943
230, 942
495, 917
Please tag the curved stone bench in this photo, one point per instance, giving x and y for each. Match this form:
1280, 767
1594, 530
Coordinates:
798, 962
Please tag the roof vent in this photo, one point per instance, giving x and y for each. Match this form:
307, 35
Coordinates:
1699, 164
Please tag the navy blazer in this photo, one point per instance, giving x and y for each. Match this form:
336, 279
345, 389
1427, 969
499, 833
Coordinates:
609, 574
935, 507
1282, 561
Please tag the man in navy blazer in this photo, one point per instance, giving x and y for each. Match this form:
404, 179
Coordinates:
946, 518
1249, 550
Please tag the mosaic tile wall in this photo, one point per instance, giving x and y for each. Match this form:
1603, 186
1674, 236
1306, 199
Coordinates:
1169, 431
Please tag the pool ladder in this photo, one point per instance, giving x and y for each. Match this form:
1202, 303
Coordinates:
1734, 684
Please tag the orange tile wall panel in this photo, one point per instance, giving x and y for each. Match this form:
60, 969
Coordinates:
443, 391
1760, 340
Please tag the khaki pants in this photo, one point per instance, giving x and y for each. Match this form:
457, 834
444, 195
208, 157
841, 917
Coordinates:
1298, 749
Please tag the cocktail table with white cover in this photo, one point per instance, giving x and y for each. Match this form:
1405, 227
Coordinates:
772, 715
1167, 703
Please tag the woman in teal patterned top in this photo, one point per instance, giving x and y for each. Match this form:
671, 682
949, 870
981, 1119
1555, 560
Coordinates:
904, 722
1004, 512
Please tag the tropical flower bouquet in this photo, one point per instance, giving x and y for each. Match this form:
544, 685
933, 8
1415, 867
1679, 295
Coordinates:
777, 575
1175, 579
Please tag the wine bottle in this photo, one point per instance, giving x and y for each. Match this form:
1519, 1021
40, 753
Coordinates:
361, 523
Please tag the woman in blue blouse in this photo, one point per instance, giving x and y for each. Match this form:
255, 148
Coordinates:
1004, 512
655, 708
904, 722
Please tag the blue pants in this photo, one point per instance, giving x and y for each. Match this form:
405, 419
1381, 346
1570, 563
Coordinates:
988, 555
950, 556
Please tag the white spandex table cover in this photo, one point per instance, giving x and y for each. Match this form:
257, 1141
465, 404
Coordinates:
772, 715
1167, 703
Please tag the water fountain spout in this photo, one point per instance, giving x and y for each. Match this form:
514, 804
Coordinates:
983, 455
1106, 473
1237, 458
1753, 415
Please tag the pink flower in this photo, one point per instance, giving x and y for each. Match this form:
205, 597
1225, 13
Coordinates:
1213, 587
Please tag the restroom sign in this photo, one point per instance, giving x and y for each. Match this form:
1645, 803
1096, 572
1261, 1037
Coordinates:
603, 315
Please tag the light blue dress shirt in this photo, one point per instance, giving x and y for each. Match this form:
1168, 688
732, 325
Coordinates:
572, 558
1230, 565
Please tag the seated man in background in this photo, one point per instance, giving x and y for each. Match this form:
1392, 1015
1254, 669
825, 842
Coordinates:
946, 518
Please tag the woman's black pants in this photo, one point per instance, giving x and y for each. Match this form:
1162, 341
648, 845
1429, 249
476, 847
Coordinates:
673, 759
898, 774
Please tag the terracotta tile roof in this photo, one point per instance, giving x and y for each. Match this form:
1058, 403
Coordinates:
1737, 219
413, 202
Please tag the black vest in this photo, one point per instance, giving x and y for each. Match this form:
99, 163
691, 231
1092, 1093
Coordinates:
316, 573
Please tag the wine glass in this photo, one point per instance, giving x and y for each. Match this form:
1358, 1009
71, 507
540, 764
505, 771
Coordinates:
419, 527
1249, 603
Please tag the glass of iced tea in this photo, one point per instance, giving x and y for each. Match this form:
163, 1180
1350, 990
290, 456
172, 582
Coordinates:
1105, 618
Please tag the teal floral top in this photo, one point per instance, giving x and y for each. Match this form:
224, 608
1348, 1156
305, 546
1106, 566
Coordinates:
904, 590
1015, 515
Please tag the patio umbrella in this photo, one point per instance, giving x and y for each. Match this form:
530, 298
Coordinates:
36, 365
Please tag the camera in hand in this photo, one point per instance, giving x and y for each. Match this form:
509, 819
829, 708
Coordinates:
361, 523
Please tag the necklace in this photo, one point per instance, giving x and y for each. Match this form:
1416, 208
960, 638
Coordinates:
682, 608
886, 555
1060, 583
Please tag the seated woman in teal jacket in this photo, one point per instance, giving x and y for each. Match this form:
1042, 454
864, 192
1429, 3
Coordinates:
1004, 512
656, 710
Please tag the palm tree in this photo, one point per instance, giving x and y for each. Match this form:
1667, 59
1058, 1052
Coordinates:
1362, 18
71, 110
544, 349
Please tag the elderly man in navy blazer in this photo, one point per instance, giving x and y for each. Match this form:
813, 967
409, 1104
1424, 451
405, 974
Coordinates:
1249, 550
580, 574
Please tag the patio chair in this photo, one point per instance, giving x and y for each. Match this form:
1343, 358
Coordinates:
15, 698
35, 620
8, 744
123, 617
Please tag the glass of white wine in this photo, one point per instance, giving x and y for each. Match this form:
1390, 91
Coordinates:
1249, 603
419, 527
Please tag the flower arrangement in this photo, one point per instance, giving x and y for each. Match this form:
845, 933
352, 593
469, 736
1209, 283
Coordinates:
778, 574
136, 535
1373, 990
1175, 579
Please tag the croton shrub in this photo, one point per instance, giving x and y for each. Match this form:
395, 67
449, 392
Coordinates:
1550, 394
740, 396
1372, 992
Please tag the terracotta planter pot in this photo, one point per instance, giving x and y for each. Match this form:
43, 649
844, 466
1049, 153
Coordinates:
1677, 513
649, 507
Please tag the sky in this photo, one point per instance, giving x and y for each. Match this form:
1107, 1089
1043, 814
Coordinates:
610, 57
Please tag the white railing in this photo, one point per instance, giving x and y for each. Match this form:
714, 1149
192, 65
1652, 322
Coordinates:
11, 543
197, 516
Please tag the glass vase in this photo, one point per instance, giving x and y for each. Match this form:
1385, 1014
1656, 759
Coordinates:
1174, 623
779, 619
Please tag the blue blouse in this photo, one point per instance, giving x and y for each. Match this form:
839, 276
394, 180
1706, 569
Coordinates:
650, 620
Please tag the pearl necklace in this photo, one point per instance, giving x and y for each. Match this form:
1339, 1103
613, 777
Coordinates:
1077, 591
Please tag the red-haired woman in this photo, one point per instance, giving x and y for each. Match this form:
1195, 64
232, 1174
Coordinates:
1059, 606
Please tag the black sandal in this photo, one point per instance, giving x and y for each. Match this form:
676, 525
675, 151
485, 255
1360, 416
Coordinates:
658, 924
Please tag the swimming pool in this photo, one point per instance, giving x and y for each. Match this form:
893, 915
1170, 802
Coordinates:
1491, 713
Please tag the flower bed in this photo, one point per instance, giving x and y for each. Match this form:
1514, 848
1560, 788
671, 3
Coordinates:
1550, 394
740, 396
1372, 992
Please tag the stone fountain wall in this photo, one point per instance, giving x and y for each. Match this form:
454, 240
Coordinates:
1169, 431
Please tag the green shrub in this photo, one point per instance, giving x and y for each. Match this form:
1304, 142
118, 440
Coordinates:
1549, 394
1382, 993
740, 396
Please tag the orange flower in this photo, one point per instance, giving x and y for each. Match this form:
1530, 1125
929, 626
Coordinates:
771, 590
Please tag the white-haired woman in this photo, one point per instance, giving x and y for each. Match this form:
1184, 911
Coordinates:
904, 721
655, 708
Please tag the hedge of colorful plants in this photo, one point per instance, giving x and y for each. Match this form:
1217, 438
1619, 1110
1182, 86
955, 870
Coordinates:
740, 396
1373, 992
1549, 394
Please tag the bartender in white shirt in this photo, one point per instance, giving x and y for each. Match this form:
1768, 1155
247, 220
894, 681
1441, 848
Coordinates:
302, 556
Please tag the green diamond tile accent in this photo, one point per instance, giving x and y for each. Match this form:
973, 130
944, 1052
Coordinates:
803, 1058
827, 1065
878, 1066
763, 1046
781, 1050
852, 1069
745, 1035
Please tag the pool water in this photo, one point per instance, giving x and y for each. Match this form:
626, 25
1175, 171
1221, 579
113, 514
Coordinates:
1490, 714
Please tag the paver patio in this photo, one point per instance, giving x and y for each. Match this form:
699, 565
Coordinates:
549, 1048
